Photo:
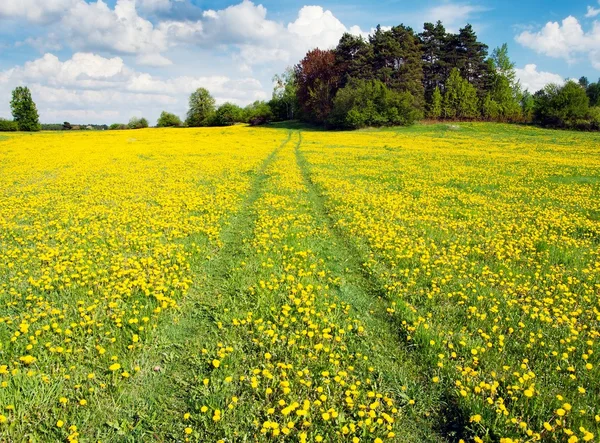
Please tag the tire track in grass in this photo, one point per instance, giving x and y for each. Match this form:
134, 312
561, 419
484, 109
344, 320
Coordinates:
436, 417
153, 408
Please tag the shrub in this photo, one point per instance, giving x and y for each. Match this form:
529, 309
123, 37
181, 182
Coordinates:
226, 115
370, 103
8, 125
137, 123
258, 113
564, 106
167, 119
116, 126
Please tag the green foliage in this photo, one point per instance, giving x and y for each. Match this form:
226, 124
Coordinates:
227, 114
564, 106
202, 106
397, 61
460, 98
117, 126
527, 106
433, 46
593, 93
168, 119
491, 110
284, 102
24, 110
370, 103
258, 113
137, 123
435, 105
8, 125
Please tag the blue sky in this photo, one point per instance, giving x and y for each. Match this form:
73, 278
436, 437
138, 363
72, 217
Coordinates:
106, 61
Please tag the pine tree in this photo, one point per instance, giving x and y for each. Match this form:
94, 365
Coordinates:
433, 41
24, 110
464, 52
397, 61
354, 57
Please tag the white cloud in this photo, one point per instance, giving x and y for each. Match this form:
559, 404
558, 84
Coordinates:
35, 10
592, 12
565, 40
453, 15
88, 81
243, 28
534, 80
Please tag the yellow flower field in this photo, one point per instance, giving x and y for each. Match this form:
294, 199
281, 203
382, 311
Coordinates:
265, 284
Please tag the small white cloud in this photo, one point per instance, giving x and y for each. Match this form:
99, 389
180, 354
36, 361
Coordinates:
592, 12
534, 80
35, 10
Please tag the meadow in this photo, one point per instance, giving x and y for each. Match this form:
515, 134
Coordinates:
425, 284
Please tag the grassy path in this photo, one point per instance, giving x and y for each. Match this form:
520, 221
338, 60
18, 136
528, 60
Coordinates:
285, 337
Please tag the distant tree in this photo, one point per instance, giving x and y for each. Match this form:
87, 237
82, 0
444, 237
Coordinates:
527, 106
370, 103
460, 98
8, 125
397, 61
202, 106
167, 119
433, 41
137, 123
561, 106
354, 58
593, 93
318, 79
435, 104
284, 102
113, 127
584, 82
227, 114
258, 113
24, 110
67, 126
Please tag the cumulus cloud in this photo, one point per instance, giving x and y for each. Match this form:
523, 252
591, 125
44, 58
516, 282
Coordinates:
244, 28
565, 40
34, 10
89, 81
534, 80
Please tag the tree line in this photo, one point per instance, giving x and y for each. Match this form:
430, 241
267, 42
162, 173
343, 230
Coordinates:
397, 76
394, 77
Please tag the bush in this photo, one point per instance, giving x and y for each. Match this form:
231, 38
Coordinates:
226, 115
117, 126
167, 120
564, 106
8, 125
370, 103
137, 123
258, 113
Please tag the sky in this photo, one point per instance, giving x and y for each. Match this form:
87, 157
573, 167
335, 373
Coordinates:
105, 61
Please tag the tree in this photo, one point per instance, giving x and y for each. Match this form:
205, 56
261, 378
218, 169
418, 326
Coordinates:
503, 65
258, 113
317, 77
354, 58
460, 98
8, 125
593, 93
137, 123
433, 41
397, 61
24, 110
561, 106
370, 103
66, 126
584, 82
284, 102
227, 114
527, 106
435, 105
465, 52
167, 119
202, 106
